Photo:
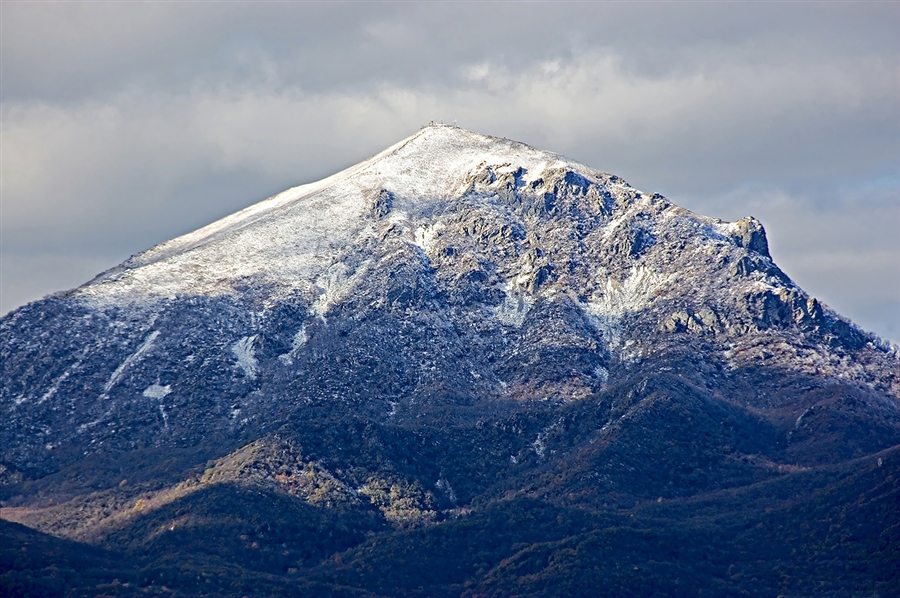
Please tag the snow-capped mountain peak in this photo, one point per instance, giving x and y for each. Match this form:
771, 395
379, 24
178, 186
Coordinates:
452, 264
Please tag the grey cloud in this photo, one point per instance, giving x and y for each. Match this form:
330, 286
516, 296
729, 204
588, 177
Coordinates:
37, 274
79, 49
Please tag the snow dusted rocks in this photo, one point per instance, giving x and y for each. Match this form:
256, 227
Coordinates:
451, 275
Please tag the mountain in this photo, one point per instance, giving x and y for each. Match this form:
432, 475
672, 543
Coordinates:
464, 366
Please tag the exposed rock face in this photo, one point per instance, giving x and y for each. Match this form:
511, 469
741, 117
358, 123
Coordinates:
753, 236
474, 289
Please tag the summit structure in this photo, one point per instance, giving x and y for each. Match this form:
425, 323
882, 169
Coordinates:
456, 320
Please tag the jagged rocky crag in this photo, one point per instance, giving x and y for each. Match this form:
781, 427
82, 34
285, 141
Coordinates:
421, 343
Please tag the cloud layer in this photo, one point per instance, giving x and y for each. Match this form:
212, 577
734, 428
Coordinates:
126, 125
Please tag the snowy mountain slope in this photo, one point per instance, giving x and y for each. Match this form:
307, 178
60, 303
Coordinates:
452, 264
461, 326
303, 229
487, 268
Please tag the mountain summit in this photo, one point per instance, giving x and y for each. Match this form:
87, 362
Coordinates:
456, 323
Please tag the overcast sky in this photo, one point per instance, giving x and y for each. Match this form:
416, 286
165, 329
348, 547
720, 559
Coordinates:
126, 124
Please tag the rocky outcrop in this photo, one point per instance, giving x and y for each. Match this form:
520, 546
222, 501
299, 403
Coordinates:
752, 236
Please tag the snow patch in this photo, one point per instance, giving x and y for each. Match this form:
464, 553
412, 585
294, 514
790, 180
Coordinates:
155, 391
802, 415
539, 447
334, 285
615, 223
632, 294
87, 426
444, 486
51, 392
244, 352
300, 339
425, 235
607, 309
514, 308
133, 358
